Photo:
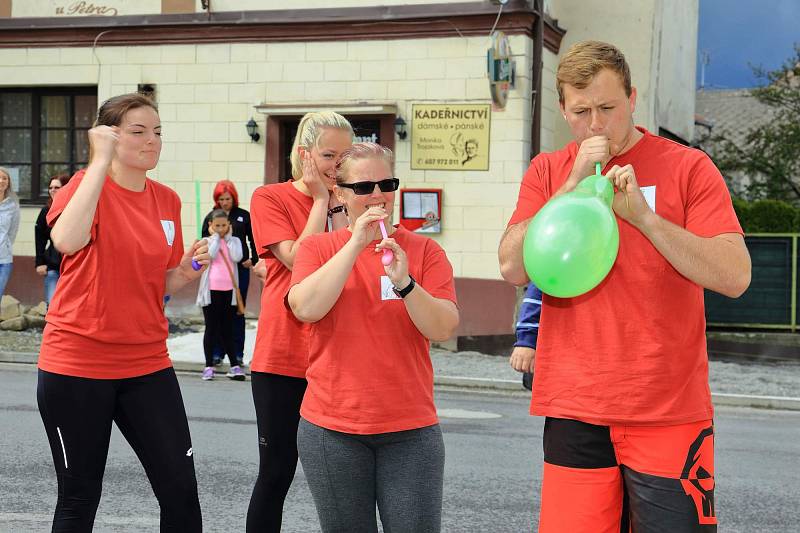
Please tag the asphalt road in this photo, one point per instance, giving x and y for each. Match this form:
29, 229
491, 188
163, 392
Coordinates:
493, 466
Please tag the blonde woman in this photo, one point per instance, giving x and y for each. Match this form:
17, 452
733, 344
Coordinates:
283, 215
9, 224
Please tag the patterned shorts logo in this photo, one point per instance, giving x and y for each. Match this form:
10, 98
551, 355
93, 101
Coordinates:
169, 230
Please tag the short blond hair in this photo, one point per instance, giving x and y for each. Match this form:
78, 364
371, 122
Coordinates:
584, 60
309, 131
359, 151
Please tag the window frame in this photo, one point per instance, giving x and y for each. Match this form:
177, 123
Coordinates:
36, 129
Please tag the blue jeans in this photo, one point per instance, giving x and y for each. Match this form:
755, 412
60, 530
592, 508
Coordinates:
50, 280
5, 273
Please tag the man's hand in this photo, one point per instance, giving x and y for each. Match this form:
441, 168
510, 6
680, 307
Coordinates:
629, 203
522, 359
41, 270
592, 150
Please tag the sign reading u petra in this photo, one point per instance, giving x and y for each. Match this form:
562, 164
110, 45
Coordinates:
450, 136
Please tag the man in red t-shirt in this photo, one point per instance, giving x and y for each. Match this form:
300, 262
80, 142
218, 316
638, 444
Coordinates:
621, 372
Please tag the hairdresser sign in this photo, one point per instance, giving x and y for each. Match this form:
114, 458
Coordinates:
450, 136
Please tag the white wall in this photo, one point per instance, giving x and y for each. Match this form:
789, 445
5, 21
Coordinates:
206, 94
674, 67
659, 40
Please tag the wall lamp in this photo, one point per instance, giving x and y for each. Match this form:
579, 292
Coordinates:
400, 127
252, 130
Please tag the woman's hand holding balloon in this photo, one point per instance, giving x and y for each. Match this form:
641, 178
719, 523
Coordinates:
629, 203
397, 269
195, 258
366, 226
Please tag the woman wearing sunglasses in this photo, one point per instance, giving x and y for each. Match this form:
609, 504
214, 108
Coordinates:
369, 433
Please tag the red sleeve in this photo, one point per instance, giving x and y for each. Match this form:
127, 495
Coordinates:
62, 198
533, 193
270, 219
437, 273
306, 261
709, 209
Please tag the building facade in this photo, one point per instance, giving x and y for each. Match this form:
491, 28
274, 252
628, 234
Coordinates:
212, 66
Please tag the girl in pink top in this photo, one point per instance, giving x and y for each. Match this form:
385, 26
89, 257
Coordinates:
216, 293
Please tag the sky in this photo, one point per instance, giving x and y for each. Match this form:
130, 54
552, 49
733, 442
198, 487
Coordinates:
737, 33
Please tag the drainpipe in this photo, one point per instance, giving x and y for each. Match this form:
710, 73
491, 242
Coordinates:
536, 79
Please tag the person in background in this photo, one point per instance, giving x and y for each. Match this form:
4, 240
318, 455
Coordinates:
284, 214
369, 434
48, 259
226, 197
217, 296
9, 224
104, 359
527, 331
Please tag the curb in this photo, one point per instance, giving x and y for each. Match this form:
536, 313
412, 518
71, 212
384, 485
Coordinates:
491, 385
763, 402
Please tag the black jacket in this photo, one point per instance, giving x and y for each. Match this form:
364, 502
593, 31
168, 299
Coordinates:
240, 220
46, 253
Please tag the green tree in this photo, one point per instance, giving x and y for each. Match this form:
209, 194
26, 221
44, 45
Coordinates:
770, 155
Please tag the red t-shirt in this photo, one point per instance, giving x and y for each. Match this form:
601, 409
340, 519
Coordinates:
632, 350
369, 366
279, 212
106, 320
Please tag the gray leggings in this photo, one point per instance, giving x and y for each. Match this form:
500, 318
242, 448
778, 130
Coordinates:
348, 474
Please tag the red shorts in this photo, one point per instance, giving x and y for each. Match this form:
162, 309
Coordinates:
613, 479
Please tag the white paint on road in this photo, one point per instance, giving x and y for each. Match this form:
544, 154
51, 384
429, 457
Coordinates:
464, 413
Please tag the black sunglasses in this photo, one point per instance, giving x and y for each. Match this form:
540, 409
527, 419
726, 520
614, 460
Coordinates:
366, 187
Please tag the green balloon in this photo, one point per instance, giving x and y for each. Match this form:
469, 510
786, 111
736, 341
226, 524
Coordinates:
572, 242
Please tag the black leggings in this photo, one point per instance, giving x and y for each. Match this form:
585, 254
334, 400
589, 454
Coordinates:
218, 317
148, 410
277, 400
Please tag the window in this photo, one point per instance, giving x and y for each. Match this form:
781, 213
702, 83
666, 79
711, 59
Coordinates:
42, 133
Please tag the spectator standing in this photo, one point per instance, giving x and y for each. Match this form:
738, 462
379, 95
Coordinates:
9, 224
48, 259
226, 197
216, 293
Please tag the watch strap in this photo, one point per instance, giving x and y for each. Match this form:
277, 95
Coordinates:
407, 289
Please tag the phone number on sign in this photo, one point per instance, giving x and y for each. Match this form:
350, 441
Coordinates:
432, 161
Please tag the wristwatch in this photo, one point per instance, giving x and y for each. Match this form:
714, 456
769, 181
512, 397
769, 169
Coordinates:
333, 210
402, 293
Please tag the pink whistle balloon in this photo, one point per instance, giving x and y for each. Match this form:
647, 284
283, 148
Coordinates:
387, 256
